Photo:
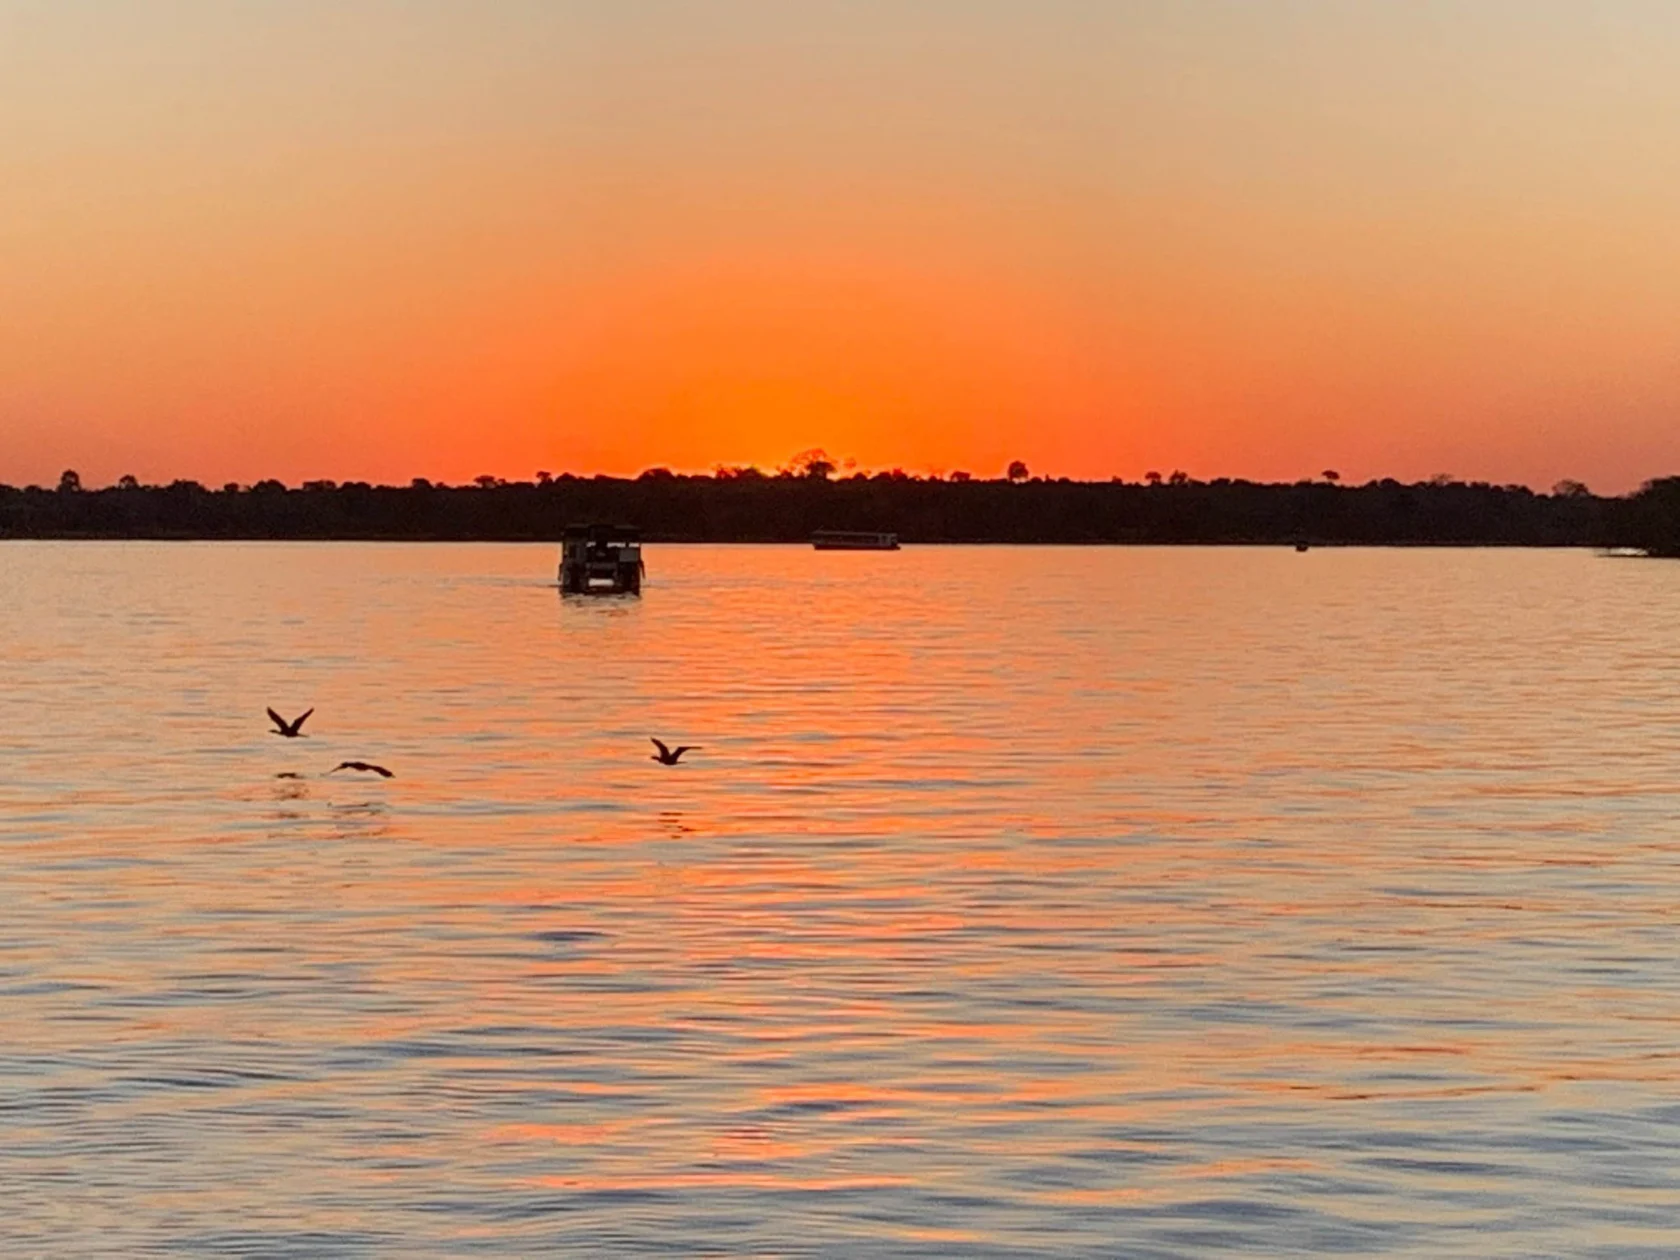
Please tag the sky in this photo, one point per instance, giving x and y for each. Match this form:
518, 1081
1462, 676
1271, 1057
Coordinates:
378, 240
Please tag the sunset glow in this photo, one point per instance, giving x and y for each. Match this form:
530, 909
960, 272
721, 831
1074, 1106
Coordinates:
385, 241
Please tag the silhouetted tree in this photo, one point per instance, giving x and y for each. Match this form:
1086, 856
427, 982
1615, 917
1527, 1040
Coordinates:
960, 475
1332, 476
1152, 477
69, 481
128, 481
1569, 488
1179, 478
484, 481
1017, 471
544, 477
1655, 514
814, 464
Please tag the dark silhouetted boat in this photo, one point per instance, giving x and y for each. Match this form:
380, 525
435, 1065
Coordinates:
853, 540
601, 560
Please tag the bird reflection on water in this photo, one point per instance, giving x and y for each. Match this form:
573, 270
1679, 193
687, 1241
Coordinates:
290, 788
1173, 903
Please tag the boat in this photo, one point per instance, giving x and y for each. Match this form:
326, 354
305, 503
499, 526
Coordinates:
601, 560
853, 540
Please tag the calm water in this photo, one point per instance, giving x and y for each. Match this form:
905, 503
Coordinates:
1020, 902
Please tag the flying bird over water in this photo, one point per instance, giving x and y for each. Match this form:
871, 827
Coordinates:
668, 757
290, 730
368, 766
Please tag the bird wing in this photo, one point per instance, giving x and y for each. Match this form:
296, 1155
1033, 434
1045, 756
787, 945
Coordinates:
298, 725
382, 772
277, 719
660, 744
684, 748
343, 765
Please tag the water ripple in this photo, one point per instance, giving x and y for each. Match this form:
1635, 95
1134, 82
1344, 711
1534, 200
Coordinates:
1020, 902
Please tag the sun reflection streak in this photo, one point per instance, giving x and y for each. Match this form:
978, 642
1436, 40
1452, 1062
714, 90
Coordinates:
985, 921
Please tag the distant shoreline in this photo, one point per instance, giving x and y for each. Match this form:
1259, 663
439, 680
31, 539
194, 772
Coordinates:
804, 544
781, 509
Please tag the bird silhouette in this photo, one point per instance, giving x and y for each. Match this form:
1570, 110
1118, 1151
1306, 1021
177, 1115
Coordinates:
669, 757
381, 771
290, 730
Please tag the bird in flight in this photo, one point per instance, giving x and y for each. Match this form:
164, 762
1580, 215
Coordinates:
668, 757
381, 771
291, 730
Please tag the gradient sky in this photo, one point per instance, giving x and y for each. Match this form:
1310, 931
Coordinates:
363, 238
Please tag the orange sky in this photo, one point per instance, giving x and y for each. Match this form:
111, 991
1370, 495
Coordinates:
385, 239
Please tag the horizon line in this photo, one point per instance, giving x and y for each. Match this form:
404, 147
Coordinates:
815, 472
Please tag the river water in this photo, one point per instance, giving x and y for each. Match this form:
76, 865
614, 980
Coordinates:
1086, 902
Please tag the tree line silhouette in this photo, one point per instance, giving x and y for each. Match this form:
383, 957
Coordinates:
745, 505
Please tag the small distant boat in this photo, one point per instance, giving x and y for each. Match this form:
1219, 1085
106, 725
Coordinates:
601, 560
853, 540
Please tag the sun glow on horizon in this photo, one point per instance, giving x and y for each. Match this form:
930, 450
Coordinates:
1099, 237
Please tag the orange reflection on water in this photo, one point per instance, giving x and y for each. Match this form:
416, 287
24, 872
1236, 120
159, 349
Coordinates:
1017, 898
